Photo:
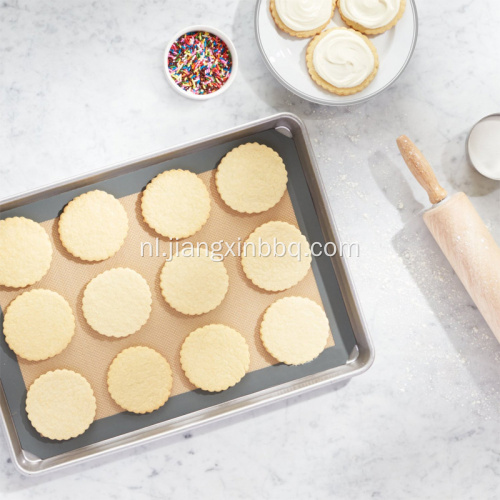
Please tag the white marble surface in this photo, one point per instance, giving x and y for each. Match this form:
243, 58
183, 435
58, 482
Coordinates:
81, 86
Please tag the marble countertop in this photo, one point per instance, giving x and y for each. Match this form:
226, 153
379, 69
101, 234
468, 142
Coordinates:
82, 86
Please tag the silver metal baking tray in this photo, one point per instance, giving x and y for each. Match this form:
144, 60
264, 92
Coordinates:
351, 355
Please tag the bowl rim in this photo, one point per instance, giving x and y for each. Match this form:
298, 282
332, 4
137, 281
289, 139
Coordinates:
478, 169
234, 58
351, 100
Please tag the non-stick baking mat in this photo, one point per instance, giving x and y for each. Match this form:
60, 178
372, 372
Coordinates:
91, 354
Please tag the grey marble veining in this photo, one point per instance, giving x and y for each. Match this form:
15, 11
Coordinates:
82, 86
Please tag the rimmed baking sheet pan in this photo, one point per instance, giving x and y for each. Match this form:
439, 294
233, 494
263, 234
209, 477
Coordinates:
349, 351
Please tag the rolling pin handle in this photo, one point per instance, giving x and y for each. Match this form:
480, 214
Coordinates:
421, 169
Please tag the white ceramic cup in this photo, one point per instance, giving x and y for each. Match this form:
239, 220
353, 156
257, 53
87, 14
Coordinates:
234, 59
476, 141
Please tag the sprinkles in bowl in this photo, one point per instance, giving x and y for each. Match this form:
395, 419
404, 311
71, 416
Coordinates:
199, 62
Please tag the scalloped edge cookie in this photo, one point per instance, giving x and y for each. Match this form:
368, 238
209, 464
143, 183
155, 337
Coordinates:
300, 34
140, 379
37, 311
272, 280
374, 31
294, 330
77, 226
328, 86
42, 396
265, 193
125, 288
20, 235
215, 357
164, 217
195, 284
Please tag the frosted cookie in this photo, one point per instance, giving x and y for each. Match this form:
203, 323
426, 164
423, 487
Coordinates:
176, 204
38, 324
140, 379
342, 61
276, 256
194, 284
61, 404
302, 18
93, 226
215, 357
294, 330
25, 252
371, 17
251, 178
117, 302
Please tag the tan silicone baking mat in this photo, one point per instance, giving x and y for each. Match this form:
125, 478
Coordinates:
90, 353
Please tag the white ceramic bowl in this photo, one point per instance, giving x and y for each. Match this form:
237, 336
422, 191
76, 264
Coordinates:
490, 145
285, 56
234, 58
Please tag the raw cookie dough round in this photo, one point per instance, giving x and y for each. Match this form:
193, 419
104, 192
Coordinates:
194, 284
140, 379
283, 268
176, 204
294, 330
251, 178
117, 302
38, 324
61, 404
25, 252
93, 226
215, 357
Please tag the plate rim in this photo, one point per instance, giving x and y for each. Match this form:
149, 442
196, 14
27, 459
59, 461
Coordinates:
326, 102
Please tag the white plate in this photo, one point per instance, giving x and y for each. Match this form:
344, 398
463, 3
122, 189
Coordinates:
285, 56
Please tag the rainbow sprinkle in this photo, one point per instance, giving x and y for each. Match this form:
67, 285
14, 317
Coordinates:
199, 62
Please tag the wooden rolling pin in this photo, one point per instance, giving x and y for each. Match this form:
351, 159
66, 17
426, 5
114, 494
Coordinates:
461, 235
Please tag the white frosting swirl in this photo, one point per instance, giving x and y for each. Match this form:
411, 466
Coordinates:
343, 59
370, 14
304, 15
